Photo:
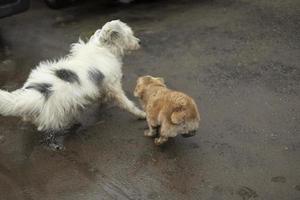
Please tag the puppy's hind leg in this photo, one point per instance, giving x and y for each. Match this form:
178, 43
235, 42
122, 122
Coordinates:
165, 132
152, 128
126, 104
161, 140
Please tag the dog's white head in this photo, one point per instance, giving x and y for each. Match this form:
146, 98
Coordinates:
118, 36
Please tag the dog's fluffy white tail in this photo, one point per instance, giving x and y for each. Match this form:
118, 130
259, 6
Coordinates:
19, 102
7, 103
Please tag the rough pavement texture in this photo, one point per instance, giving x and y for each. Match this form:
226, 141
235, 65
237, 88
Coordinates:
238, 58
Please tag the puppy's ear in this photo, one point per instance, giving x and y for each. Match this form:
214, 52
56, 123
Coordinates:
161, 79
139, 91
146, 79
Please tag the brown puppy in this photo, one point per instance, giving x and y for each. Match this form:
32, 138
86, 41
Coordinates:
174, 112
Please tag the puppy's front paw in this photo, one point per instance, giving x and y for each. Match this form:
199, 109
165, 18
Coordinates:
160, 140
157, 141
149, 133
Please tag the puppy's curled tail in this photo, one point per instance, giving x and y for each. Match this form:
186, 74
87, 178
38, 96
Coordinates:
179, 114
178, 117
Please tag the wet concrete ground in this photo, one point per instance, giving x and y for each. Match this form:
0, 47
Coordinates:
238, 58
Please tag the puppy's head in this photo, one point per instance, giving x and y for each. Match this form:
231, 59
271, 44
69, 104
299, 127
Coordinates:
117, 34
144, 82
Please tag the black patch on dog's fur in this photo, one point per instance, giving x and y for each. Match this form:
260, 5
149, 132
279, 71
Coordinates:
43, 88
95, 76
67, 75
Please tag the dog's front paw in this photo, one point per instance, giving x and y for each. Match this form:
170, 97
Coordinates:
142, 115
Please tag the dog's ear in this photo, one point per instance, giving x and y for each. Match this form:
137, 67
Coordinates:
110, 36
114, 35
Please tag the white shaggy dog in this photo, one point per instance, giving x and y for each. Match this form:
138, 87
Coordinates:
56, 92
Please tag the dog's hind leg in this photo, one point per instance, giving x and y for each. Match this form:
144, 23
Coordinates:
53, 139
